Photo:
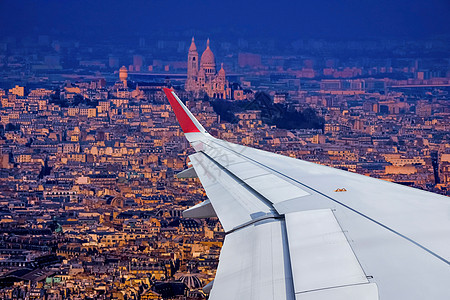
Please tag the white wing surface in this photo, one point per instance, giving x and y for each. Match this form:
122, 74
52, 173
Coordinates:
298, 230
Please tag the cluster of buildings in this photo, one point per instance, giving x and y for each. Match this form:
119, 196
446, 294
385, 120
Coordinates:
90, 206
89, 203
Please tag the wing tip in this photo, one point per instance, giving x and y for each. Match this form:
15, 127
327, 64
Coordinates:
167, 90
187, 121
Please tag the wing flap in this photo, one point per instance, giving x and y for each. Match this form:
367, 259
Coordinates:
274, 188
188, 173
317, 244
246, 170
254, 264
200, 211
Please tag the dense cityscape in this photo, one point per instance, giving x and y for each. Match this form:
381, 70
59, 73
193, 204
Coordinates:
90, 205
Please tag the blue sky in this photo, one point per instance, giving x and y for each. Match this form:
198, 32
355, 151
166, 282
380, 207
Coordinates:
340, 19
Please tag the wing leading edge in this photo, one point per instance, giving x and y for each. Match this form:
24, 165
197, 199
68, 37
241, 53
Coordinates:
291, 235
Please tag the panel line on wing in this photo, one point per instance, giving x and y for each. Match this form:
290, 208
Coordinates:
333, 287
243, 183
274, 188
366, 291
252, 222
234, 203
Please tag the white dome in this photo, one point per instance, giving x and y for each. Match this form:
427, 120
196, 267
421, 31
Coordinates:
208, 59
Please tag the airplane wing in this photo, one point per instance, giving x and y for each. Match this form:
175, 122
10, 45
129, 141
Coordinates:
299, 230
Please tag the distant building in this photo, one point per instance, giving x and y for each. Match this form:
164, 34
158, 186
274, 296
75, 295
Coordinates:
61, 196
123, 75
249, 60
18, 91
205, 78
280, 98
138, 62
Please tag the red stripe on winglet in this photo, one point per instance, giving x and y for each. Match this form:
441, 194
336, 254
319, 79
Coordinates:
185, 121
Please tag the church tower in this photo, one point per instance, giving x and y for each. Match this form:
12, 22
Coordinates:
203, 78
192, 67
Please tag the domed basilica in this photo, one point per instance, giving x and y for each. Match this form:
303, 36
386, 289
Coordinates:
206, 79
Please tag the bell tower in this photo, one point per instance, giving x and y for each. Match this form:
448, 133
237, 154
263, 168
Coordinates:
192, 67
